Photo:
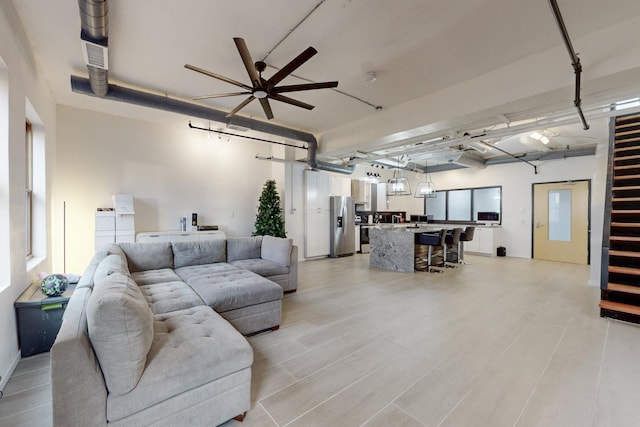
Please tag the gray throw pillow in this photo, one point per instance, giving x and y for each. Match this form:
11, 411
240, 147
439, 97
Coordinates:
120, 326
243, 248
148, 256
198, 252
276, 249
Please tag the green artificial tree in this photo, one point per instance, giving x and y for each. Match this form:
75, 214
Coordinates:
269, 221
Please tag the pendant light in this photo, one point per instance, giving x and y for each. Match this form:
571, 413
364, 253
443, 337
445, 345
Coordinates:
398, 185
425, 189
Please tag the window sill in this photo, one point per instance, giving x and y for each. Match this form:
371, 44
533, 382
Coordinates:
33, 262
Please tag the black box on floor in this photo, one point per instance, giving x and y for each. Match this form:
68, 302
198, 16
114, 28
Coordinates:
501, 251
39, 319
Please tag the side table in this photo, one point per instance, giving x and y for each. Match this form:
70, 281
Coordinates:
39, 319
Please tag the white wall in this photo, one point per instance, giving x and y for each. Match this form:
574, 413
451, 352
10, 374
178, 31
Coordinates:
170, 169
28, 96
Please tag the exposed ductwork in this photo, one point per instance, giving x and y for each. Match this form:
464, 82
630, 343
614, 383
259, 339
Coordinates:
94, 17
131, 96
94, 21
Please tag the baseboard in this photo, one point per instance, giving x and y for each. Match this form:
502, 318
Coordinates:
7, 375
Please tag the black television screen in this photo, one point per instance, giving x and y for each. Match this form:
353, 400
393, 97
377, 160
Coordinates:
488, 216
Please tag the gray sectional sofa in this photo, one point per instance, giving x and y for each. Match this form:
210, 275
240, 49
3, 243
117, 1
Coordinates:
153, 333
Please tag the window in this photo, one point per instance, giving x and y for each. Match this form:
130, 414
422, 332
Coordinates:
467, 204
29, 189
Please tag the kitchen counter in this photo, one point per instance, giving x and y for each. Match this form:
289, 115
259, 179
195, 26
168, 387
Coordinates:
392, 246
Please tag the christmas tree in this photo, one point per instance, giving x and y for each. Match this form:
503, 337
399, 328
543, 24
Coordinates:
269, 219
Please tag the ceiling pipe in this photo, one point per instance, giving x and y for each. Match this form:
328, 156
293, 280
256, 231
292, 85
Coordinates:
575, 61
144, 99
94, 23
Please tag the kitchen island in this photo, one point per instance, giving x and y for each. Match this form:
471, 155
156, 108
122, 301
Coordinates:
393, 248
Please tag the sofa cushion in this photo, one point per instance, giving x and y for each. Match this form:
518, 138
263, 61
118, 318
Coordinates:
229, 289
120, 325
191, 347
87, 279
151, 277
260, 266
243, 247
170, 296
276, 249
148, 256
198, 252
109, 265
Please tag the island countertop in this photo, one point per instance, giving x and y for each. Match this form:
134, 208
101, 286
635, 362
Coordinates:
393, 247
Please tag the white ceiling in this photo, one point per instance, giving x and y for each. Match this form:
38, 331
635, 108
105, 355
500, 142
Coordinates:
416, 47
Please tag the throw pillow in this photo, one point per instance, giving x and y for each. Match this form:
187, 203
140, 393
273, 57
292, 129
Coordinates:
276, 249
243, 248
120, 326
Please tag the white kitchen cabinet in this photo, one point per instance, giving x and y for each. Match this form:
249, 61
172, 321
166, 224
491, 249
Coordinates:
318, 191
483, 242
361, 193
340, 186
381, 189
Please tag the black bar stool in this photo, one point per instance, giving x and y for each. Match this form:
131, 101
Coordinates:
435, 246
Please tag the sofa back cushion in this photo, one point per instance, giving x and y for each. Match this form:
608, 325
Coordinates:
120, 325
276, 249
198, 252
243, 248
148, 256
87, 279
109, 265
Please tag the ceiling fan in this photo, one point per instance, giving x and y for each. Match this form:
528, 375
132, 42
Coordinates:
265, 89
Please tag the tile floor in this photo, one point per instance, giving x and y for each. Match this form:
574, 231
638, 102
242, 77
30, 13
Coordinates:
496, 342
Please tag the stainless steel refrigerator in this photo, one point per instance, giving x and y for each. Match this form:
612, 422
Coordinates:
343, 229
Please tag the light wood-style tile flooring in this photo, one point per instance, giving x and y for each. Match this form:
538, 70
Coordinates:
496, 342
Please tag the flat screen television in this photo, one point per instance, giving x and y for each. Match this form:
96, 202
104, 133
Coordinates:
488, 217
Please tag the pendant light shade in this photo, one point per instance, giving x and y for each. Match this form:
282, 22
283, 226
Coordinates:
425, 189
398, 185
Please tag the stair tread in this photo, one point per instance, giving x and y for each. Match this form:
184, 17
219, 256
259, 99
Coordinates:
630, 289
622, 177
620, 158
626, 224
627, 188
625, 238
621, 149
624, 270
626, 199
629, 254
626, 167
620, 307
623, 141
627, 118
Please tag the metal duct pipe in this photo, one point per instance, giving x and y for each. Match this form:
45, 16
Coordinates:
330, 167
94, 21
117, 93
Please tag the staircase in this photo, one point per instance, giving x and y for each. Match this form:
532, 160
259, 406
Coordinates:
620, 284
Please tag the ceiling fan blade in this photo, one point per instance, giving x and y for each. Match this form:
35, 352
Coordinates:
291, 101
248, 62
217, 76
267, 108
220, 95
305, 86
241, 106
291, 66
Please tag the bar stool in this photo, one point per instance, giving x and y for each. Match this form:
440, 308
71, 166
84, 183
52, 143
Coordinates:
465, 236
451, 241
434, 242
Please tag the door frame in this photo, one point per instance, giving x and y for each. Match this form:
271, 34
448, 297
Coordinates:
588, 181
